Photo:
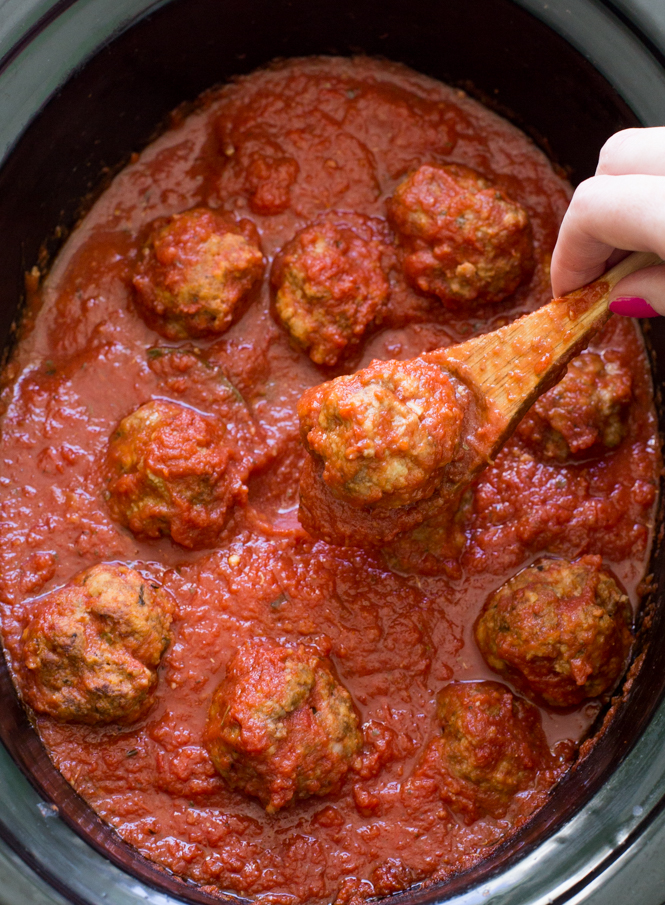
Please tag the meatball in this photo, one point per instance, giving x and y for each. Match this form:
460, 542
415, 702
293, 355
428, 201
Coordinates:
329, 283
463, 238
584, 414
385, 433
492, 747
91, 649
281, 726
194, 271
558, 629
169, 472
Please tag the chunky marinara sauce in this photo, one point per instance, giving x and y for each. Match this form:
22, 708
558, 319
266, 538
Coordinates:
278, 148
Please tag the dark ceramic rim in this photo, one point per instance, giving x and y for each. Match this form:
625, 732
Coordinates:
107, 843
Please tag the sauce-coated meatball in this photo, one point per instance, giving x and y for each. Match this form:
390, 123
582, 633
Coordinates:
383, 434
463, 238
329, 283
281, 726
169, 472
584, 414
91, 649
560, 630
491, 748
194, 271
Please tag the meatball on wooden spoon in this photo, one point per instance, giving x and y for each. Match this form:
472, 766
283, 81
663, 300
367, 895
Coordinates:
388, 453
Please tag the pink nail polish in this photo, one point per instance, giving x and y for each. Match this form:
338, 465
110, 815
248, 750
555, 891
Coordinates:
632, 307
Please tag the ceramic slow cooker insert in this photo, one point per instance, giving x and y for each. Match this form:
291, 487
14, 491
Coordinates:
84, 85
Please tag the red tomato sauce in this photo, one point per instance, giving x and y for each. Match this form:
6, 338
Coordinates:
279, 147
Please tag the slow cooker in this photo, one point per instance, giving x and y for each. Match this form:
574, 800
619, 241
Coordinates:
83, 83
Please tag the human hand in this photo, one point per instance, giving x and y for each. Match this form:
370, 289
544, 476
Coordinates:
620, 209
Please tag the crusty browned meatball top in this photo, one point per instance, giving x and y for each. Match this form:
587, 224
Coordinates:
91, 649
385, 433
585, 414
281, 726
492, 746
329, 282
169, 473
464, 240
562, 630
195, 270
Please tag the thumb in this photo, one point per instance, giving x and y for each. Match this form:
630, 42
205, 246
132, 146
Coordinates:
642, 294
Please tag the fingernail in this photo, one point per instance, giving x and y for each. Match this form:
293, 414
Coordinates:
632, 307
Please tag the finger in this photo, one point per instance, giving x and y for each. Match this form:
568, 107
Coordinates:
633, 151
642, 294
607, 212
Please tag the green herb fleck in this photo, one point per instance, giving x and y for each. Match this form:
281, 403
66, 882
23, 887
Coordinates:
278, 601
237, 395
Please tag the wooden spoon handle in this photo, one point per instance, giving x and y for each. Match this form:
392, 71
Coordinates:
513, 366
638, 260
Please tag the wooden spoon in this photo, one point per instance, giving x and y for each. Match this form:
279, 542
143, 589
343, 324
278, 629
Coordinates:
516, 364
505, 371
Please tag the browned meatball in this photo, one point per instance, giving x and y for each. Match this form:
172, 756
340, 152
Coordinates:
463, 238
329, 282
91, 649
281, 726
383, 434
194, 271
584, 414
561, 630
170, 472
492, 747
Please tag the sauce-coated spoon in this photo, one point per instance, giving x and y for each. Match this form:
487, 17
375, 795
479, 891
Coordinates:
516, 364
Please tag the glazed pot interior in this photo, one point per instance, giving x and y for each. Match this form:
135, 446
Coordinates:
117, 101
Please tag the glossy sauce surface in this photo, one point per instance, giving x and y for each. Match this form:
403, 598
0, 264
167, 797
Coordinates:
330, 134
